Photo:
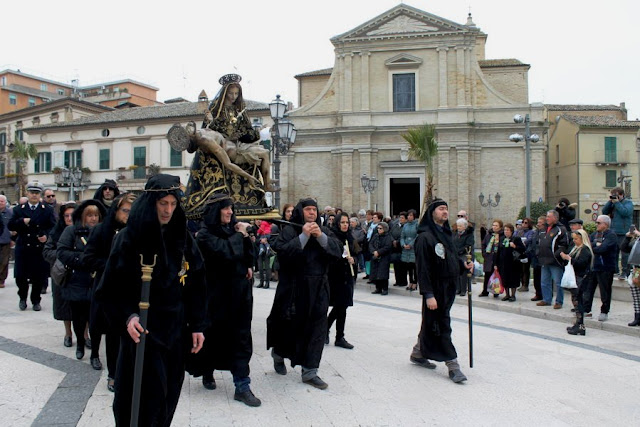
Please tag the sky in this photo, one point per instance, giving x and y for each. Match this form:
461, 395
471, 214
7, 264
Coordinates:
580, 52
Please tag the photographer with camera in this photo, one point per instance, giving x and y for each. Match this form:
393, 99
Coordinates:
620, 210
566, 211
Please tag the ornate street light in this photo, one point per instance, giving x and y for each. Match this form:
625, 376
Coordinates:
284, 136
71, 178
369, 185
489, 203
528, 137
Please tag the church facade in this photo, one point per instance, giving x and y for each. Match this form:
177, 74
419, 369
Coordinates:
403, 69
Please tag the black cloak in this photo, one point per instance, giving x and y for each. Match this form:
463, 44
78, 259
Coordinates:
177, 302
228, 255
297, 324
438, 268
340, 276
108, 183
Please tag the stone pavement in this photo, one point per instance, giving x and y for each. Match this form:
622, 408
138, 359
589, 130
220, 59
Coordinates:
527, 371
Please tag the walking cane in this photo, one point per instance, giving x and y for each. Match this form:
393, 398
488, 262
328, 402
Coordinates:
469, 274
147, 270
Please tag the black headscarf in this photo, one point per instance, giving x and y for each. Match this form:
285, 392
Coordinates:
110, 224
211, 216
298, 214
342, 235
143, 225
427, 223
77, 213
57, 230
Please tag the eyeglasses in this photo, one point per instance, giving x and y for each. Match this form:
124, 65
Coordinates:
50, 196
460, 216
598, 222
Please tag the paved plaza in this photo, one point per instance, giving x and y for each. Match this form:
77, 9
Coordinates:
527, 371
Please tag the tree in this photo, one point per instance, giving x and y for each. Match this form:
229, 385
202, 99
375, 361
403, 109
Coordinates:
537, 209
424, 147
21, 152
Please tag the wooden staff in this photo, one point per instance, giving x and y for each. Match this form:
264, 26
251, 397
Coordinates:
469, 274
147, 270
346, 245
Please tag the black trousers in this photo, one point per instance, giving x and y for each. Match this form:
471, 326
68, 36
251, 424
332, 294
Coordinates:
264, 268
400, 272
36, 287
338, 315
411, 269
537, 281
79, 319
112, 348
603, 280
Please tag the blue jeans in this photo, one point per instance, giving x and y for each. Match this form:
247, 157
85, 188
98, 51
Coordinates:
241, 383
549, 273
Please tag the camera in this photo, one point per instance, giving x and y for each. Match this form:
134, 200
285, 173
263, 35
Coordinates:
252, 230
613, 197
632, 228
562, 205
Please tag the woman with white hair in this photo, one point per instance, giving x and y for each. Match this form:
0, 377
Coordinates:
464, 242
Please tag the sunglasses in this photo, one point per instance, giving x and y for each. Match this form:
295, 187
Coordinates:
460, 216
50, 196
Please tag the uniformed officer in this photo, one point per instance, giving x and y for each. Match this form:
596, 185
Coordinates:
32, 222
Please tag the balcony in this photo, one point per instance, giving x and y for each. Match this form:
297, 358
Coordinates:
619, 158
141, 173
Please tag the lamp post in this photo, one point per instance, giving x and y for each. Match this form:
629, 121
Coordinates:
369, 185
284, 136
489, 203
528, 138
72, 178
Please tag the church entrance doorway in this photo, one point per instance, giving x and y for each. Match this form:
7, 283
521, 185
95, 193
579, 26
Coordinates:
404, 195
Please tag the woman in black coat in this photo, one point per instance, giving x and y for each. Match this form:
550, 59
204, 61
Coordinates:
228, 254
95, 258
464, 241
490, 245
341, 281
581, 257
77, 289
380, 248
510, 251
61, 307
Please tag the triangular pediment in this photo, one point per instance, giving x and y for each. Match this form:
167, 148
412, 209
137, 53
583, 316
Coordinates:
403, 21
403, 60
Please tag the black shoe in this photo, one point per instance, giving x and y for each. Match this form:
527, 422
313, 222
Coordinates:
111, 385
483, 294
326, 340
79, 352
316, 382
43, 291
341, 342
536, 298
280, 368
95, 363
636, 321
209, 382
577, 330
36, 307
512, 299
68, 341
87, 343
384, 293
22, 305
366, 276
463, 294
247, 398
266, 286
377, 291
260, 285
457, 376
422, 362
505, 298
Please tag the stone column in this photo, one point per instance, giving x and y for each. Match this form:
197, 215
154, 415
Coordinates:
364, 80
460, 77
340, 65
345, 192
464, 178
443, 83
467, 74
348, 80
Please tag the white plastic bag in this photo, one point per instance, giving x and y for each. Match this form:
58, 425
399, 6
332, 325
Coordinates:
569, 277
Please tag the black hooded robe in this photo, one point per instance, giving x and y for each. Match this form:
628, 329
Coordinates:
228, 255
297, 324
176, 309
438, 268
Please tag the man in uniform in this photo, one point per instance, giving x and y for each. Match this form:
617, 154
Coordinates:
157, 232
32, 222
297, 325
438, 268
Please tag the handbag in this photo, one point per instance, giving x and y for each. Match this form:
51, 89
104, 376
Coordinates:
495, 283
635, 276
569, 277
59, 273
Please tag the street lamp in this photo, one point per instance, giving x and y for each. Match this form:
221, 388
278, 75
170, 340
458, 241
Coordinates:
489, 203
284, 136
369, 185
72, 178
528, 137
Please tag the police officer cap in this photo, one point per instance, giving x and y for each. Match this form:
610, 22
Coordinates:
576, 221
34, 186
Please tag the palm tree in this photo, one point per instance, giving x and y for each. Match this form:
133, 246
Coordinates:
22, 152
424, 147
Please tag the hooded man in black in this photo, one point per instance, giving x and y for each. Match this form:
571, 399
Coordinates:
228, 254
107, 192
297, 325
177, 303
438, 268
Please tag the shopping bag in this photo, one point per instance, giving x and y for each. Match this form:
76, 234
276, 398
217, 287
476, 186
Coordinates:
495, 283
569, 277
